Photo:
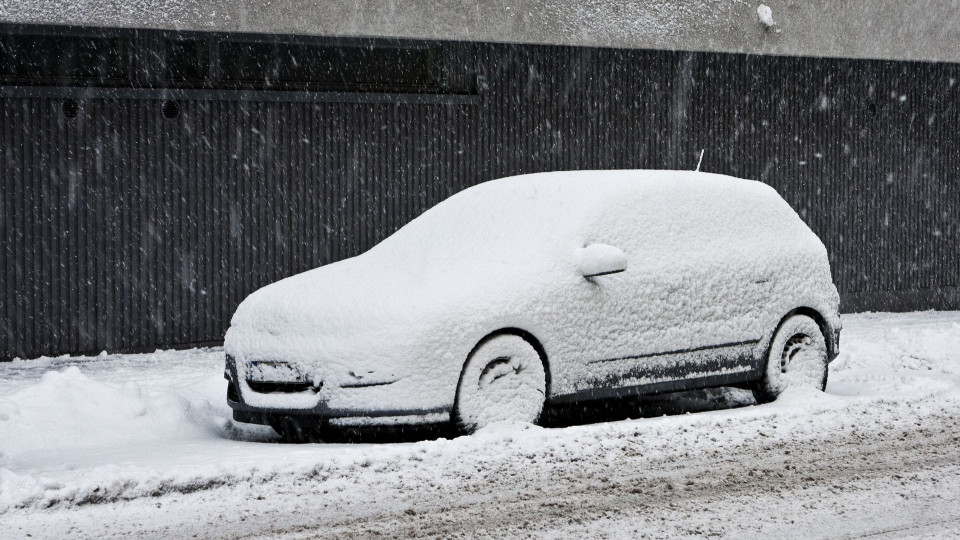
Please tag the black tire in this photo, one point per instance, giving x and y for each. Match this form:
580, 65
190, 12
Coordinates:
798, 357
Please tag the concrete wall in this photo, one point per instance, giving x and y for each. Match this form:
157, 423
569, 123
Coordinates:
884, 29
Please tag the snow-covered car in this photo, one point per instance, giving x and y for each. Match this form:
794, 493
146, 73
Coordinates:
543, 289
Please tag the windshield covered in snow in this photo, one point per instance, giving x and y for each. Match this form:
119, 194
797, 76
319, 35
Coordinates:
509, 218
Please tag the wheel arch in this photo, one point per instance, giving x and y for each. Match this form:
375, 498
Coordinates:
509, 331
825, 328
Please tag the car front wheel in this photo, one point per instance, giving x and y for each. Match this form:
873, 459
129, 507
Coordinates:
797, 358
503, 381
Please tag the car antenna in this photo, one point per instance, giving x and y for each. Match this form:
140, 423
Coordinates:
700, 161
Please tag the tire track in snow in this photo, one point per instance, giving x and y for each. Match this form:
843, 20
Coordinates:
630, 478
674, 496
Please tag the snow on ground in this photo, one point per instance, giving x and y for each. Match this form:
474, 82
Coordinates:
120, 445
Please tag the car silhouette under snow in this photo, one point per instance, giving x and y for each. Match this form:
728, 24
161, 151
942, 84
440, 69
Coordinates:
543, 289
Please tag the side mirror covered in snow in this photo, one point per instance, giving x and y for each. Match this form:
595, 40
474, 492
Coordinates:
602, 259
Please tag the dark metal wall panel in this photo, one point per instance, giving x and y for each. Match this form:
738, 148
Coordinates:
863, 150
123, 229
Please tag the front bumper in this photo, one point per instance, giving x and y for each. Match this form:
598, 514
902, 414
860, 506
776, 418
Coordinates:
244, 411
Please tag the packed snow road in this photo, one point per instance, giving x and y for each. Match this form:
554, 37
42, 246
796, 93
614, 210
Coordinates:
142, 445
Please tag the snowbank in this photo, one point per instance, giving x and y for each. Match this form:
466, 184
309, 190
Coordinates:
172, 436
66, 414
68, 409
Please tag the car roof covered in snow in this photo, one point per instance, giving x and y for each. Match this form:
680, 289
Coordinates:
525, 214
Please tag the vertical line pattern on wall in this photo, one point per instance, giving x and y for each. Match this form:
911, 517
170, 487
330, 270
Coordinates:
125, 230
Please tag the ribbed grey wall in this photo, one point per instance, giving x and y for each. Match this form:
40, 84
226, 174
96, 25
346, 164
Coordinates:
124, 229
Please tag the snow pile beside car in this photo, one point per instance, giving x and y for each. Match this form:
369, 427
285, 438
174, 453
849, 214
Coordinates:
68, 409
67, 419
900, 355
917, 342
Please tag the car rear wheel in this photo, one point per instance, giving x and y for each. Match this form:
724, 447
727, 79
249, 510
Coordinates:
798, 358
503, 381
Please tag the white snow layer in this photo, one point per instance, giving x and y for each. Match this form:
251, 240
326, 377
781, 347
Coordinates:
766, 15
121, 427
727, 257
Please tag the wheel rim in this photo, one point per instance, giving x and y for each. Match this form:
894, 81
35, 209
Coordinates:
802, 362
503, 383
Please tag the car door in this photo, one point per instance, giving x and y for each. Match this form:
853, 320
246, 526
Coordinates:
671, 314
